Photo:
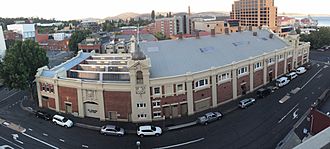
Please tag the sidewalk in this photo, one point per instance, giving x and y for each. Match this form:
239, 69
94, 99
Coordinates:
167, 124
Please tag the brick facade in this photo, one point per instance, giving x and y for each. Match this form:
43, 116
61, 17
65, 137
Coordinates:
51, 103
172, 99
119, 102
67, 94
202, 94
280, 68
224, 92
270, 73
289, 64
258, 78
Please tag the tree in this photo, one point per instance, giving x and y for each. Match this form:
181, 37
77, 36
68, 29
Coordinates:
20, 64
318, 39
153, 15
76, 38
160, 36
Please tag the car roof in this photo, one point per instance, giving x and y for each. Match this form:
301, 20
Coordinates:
59, 116
209, 113
110, 126
282, 78
145, 127
246, 99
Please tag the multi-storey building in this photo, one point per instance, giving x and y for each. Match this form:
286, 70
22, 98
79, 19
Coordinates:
255, 13
26, 30
171, 78
2, 44
173, 26
90, 44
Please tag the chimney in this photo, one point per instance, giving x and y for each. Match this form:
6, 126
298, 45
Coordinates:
227, 31
271, 36
239, 29
250, 28
212, 32
197, 34
255, 33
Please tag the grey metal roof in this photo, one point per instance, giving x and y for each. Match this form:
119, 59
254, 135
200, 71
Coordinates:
177, 57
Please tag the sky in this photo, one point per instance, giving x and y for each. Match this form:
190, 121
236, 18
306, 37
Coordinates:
78, 9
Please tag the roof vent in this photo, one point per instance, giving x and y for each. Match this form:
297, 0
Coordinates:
239, 29
260, 27
227, 31
197, 34
271, 36
213, 32
250, 28
255, 33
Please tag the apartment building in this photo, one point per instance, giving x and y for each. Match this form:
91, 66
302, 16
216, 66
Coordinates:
173, 25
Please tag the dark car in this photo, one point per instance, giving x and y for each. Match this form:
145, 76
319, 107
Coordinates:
263, 92
43, 115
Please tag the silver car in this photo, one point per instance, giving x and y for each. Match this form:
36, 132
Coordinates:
112, 130
246, 102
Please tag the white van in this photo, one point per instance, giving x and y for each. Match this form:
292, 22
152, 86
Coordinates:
291, 75
62, 121
280, 82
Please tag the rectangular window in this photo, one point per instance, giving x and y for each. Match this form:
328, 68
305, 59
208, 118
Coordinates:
142, 115
290, 54
242, 70
156, 104
201, 83
271, 61
156, 90
224, 76
179, 87
141, 105
157, 114
257, 65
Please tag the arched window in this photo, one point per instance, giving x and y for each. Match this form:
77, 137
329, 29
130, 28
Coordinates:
139, 77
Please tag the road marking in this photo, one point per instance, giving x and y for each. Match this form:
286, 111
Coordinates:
61, 140
284, 99
44, 134
306, 98
84, 146
287, 113
30, 129
181, 144
319, 76
34, 138
311, 78
9, 96
15, 137
11, 142
295, 115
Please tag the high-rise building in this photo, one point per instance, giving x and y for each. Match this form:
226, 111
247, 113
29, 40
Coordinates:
255, 13
2, 44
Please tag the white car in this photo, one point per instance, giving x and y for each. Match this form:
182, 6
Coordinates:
291, 75
149, 130
280, 82
301, 70
62, 121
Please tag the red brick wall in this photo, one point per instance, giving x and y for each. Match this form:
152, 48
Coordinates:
67, 94
225, 92
289, 60
269, 68
117, 101
241, 80
280, 68
258, 78
44, 104
172, 99
319, 121
51, 103
202, 94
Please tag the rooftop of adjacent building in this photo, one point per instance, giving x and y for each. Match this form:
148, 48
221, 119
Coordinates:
320, 140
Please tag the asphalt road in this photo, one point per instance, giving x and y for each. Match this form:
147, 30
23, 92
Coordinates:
261, 125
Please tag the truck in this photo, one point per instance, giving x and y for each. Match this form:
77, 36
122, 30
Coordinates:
209, 117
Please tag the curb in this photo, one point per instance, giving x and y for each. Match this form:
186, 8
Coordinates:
182, 126
91, 127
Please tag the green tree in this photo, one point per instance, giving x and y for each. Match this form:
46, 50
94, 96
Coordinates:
20, 64
317, 39
76, 38
160, 36
153, 16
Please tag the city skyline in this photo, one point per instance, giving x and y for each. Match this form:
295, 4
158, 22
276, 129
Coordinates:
102, 9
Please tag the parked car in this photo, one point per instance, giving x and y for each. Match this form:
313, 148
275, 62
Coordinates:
263, 92
308, 65
280, 82
209, 117
62, 121
149, 130
301, 70
43, 115
291, 75
246, 102
112, 130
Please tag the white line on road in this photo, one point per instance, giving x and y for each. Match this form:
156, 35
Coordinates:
44, 134
8, 96
287, 113
30, 129
84, 146
295, 115
181, 144
311, 78
61, 140
34, 138
11, 142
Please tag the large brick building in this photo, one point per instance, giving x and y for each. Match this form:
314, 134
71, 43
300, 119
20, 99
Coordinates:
169, 79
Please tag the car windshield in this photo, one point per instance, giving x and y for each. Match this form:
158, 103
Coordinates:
117, 128
65, 119
153, 128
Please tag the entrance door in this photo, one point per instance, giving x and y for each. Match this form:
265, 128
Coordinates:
184, 109
270, 75
113, 115
68, 108
175, 110
167, 111
91, 109
243, 87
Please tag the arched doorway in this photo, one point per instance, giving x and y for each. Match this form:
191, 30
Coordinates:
91, 109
